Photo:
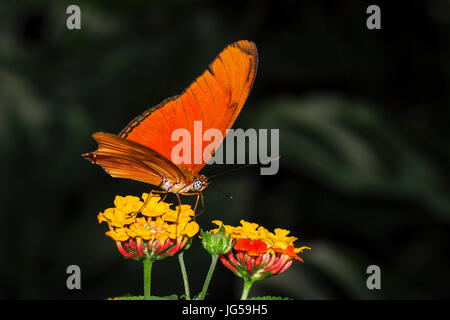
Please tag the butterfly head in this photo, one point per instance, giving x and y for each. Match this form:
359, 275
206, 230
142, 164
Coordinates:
200, 182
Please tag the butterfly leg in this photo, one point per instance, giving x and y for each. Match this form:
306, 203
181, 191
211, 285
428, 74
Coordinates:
202, 199
178, 214
196, 202
150, 195
199, 197
164, 198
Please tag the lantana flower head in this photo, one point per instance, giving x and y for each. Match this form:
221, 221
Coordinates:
258, 253
157, 232
216, 243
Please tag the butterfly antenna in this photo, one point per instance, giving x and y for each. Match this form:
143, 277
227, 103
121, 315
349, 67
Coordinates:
229, 196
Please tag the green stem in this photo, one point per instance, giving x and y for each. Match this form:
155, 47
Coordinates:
214, 258
246, 289
185, 278
147, 278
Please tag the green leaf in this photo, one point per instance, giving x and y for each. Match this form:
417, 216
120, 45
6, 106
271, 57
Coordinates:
171, 297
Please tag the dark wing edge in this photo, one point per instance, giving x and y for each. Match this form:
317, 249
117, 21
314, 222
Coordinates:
137, 120
248, 47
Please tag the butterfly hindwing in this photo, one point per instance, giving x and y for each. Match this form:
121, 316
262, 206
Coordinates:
122, 158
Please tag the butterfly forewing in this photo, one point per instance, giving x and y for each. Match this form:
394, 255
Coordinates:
215, 98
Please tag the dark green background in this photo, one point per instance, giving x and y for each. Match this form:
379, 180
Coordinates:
364, 137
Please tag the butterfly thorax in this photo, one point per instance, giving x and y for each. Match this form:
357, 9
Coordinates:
197, 184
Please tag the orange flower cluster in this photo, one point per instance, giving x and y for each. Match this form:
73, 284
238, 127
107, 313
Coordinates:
157, 232
258, 253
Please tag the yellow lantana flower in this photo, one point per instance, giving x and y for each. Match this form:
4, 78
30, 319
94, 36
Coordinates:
155, 207
141, 229
154, 231
183, 229
280, 239
115, 217
119, 234
128, 204
183, 214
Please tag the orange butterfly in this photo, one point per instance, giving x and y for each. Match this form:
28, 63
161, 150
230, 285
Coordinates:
143, 148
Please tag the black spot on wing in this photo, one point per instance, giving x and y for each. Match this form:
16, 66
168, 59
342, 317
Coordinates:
210, 69
233, 105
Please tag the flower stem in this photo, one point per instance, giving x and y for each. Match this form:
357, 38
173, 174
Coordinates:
214, 258
185, 278
147, 277
246, 289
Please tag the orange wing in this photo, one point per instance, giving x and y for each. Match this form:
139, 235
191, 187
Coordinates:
122, 158
215, 98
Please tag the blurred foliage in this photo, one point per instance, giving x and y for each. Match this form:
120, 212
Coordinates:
363, 118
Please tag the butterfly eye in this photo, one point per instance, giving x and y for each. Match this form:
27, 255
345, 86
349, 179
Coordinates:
197, 185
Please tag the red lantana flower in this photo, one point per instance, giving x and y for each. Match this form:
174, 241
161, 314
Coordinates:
258, 253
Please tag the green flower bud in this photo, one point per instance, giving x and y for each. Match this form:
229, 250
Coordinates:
216, 243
